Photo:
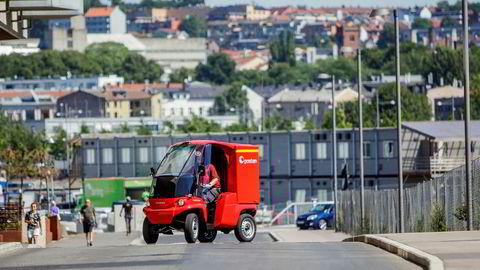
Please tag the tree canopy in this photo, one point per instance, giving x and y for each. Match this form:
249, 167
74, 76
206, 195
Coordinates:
194, 26
219, 69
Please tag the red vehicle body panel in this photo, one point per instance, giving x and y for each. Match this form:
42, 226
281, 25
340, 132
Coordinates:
241, 193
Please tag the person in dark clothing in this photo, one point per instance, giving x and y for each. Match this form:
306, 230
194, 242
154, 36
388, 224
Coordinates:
128, 214
88, 220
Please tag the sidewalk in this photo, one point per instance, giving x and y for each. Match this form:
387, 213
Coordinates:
8, 247
290, 233
457, 250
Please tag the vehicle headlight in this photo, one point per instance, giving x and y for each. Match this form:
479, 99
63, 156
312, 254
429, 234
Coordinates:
312, 217
180, 202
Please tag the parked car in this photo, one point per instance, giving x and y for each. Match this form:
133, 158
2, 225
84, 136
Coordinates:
319, 217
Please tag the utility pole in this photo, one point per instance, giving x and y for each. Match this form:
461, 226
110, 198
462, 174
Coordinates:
360, 127
399, 125
466, 85
334, 150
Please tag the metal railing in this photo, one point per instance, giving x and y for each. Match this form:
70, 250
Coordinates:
435, 205
289, 214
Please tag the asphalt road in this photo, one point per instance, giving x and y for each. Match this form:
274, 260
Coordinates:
116, 251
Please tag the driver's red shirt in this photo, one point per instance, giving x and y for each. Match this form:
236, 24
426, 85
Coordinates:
210, 174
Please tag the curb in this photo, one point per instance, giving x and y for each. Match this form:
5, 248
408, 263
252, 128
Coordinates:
8, 247
275, 237
408, 253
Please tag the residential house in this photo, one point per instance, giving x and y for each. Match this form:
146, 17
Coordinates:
69, 35
248, 59
29, 105
81, 104
306, 104
60, 83
176, 53
348, 38
447, 102
121, 103
107, 20
239, 12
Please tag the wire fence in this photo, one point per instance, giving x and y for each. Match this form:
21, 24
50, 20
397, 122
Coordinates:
436, 205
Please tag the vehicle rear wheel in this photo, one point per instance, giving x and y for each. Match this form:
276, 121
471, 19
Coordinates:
207, 236
322, 224
192, 227
149, 234
246, 228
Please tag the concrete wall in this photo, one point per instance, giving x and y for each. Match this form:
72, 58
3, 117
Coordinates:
137, 220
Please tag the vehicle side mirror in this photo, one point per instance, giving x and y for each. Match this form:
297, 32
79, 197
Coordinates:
152, 171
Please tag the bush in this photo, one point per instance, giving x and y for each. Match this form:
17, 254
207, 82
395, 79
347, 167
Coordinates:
461, 213
438, 219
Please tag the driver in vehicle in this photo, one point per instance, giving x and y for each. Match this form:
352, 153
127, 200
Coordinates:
211, 181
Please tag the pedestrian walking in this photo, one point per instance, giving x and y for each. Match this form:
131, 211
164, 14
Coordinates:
88, 220
128, 214
34, 225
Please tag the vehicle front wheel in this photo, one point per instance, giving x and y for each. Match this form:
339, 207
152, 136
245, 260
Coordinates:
322, 224
192, 227
246, 228
149, 234
207, 236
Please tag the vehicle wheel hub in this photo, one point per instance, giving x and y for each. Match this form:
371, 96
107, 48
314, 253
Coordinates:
248, 229
195, 227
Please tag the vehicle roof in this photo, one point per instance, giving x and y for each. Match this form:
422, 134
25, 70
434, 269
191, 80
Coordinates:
225, 144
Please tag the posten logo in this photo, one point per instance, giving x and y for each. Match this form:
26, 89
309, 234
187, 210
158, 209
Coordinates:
242, 160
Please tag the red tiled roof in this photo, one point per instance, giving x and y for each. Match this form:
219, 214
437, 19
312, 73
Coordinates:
99, 11
125, 95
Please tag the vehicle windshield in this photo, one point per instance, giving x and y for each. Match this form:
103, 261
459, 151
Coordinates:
175, 160
321, 207
175, 176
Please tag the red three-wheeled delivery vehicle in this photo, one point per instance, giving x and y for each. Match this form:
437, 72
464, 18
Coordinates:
178, 201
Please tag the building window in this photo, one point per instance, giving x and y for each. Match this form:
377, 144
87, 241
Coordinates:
116, 115
388, 149
115, 104
343, 150
352, 38
107, 156
125, 155
160, 152
300, 151
172, 111
181, 111
367, 151
321, 150
200, 111
190, 111
260, 151
143, 155
70, 44
90, 156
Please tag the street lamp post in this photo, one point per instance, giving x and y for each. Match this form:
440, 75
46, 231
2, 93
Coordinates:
385, 12
360, 130
334, 158
466, 86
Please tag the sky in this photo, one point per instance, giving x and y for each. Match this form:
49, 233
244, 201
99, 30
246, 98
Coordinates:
320, 3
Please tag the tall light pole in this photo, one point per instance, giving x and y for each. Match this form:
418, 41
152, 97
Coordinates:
334, 151
360, 130
466, 85
385, 12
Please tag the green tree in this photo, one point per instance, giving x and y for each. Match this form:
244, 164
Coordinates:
240, 127
87, 4
138, 69
58, 149
143, 130
340, 119
198, 124
387, 36
282, 50
277, 122
179, 75
124, 128
219, 69
194, 26
421, 23
84, 129
446, 63
343, 68
450, 22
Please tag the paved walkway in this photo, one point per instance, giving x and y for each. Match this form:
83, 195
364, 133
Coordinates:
458, 250
290, 233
